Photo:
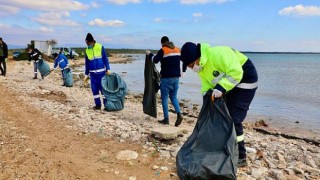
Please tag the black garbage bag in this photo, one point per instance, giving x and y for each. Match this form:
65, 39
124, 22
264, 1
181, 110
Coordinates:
151, 87
211, 151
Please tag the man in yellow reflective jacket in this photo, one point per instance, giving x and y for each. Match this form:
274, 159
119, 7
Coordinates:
228, 72
97, 66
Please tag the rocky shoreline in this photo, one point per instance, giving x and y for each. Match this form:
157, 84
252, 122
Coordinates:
271, 155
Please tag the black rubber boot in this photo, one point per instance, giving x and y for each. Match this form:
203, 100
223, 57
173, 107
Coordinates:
164, 121
179, 120
242, 162
96, 108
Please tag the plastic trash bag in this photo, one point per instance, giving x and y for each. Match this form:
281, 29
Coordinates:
151, 87
43, 68
67, 77
114, 89
211, 151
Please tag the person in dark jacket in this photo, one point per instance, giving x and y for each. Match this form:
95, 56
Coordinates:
3, 57
35, 56
169, 57
227, 72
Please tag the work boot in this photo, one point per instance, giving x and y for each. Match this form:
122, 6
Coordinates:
179, 120
34, 78
164, 121
96, 108
242, 162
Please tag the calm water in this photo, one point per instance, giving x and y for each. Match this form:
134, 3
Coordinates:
289, 87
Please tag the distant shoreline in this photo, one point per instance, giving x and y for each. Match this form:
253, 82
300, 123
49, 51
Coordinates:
142, 51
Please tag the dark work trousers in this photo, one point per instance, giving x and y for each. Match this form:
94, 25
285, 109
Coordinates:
35, 69
3, 66
96, 87
238, 101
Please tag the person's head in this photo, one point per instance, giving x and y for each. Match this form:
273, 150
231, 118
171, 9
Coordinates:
190, 54
55, 55
29, 49
90, 40
164, 40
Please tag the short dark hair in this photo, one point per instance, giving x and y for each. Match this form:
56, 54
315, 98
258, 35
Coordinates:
164, 39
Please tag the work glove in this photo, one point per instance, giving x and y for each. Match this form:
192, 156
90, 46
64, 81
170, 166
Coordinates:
216, 94
85, 80
148, 52
182, 73
5, 59
108, 72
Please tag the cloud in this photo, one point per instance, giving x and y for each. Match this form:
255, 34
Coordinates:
47, 5
189, 2
8, 10
45, 29
300, 10
123, 2
102, 23
158, 20
55, 19
95, 4
160, 1
197, 14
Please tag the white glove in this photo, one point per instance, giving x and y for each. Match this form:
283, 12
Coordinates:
148, 52
182, 74
216, 93
5, 59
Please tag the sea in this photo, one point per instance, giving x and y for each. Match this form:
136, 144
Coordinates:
288, 95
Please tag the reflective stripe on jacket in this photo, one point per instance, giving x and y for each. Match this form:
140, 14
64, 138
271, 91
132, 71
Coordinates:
96, 60
221, 67
61, 61
169, 57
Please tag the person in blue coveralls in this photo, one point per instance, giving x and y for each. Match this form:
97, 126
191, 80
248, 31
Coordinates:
62, 61
96, 66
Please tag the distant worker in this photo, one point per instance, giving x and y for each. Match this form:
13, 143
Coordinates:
96, 66
70, 54
35, 56
169, 57
228, 72
3, 57
62, 61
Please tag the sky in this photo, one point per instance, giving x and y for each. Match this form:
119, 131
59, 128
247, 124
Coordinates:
246, 25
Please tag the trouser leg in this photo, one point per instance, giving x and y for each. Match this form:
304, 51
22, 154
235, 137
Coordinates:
1, 62
4, 67
95, 89
238, 101
35, 69
164, 97
173, 94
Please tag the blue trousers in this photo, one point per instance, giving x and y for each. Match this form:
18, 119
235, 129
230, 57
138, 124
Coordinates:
169, 88
96, 87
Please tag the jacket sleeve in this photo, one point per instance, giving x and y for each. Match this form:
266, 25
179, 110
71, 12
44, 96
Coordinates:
55, 63
105, 58
86, 67
5, 50
158, 57
228, 62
